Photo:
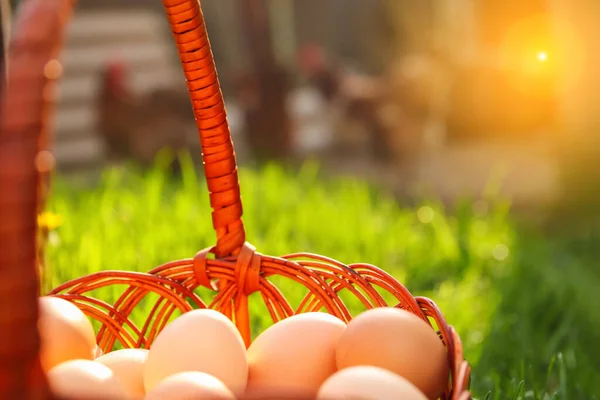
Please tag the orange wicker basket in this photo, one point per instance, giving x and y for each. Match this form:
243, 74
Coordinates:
239, 269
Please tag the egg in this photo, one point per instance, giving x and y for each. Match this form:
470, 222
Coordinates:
98, 352
200, 340
277, 394
400, 342
368, 383
190, 386
295, 354
85, 379
65, 333
128, 366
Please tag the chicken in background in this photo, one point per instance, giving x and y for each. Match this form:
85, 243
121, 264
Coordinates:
352, 99
135, 126
414, 105
394, 108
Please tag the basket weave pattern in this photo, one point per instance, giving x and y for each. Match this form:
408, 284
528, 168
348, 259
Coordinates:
233, 268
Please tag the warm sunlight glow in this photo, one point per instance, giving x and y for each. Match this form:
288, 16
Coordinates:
542, 56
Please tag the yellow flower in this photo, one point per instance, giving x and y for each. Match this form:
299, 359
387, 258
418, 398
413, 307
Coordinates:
49, 220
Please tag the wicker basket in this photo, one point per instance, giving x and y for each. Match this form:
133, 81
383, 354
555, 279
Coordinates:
233, 262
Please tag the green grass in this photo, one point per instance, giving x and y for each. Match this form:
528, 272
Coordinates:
525, 304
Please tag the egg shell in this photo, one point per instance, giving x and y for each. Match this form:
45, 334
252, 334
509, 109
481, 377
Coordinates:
128, 366
192, 385
85, 379
200, 340
295, 354
368, 383
265, 393
400, 342
65, 333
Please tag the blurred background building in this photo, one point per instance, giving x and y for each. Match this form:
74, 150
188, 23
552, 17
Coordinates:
436, 95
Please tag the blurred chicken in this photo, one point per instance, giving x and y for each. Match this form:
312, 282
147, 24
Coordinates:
393, 107
137, 127
351, 97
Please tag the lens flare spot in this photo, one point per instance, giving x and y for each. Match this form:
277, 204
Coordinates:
501, 252
425, 214
542, 56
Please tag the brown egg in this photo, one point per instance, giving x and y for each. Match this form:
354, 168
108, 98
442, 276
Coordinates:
85, 379
368, 383
65, 333
266, 393
190, 386
400, 342
296, 354
199, 340
128, 367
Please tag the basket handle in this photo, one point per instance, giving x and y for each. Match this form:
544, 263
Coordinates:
220, 167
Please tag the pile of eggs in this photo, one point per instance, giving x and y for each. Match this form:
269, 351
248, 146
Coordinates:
383, 353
